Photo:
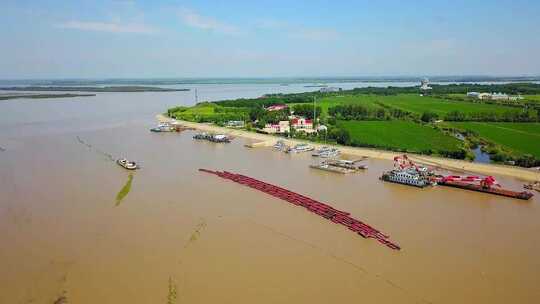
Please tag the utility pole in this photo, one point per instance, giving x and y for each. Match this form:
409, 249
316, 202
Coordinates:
196, 97
314, 113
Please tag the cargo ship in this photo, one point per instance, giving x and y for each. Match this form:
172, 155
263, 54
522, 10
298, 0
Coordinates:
408, 176
327, 167
487, 185
406, 172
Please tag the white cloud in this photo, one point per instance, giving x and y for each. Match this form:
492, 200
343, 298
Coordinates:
196, 20
110, 27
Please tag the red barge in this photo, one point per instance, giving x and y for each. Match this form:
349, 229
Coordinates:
319, 208
486, 185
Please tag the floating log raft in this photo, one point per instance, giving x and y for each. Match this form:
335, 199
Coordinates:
322, 209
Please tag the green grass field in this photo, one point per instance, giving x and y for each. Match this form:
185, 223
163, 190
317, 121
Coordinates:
209, 111
414, 103
532, 97
328, 102
399, 134
419, 104
523, 138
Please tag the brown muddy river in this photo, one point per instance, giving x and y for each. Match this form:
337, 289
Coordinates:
181, 236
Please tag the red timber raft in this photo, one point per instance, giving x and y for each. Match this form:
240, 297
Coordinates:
322, 209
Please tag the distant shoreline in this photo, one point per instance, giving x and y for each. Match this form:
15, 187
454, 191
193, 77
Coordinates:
122, 89
266, 80
444, 163
42, 96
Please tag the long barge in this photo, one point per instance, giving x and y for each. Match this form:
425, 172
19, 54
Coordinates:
319, 208
330, 168
524, 195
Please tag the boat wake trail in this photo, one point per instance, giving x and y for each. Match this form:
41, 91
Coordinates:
90, 147
343, 260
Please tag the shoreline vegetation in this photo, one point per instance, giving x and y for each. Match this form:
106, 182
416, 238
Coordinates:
119, 89
42, 96
441, 121
265, 140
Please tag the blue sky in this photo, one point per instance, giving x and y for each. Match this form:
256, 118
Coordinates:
95, 39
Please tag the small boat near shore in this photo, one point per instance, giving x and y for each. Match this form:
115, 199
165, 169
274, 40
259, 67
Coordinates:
126, 164
280, 146
217, 138
162, 127
326, 152
299, 148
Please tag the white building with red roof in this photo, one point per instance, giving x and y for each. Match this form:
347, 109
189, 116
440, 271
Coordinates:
279, 128
301, 124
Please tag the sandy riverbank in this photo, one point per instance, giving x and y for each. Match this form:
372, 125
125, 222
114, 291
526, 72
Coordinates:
444, 163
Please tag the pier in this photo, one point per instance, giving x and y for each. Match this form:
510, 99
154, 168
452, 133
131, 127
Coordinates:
319, 208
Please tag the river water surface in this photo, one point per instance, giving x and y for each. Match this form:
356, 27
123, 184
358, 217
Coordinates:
76, 228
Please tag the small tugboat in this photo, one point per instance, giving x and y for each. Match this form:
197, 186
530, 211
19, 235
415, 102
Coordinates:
129, 165
326, 152
300, 148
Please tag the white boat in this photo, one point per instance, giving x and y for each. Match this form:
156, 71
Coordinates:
130, 165
301, 148
326, 152
163, 127
280, 146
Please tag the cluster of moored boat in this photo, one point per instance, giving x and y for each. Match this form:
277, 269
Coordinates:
323, 152
218, 138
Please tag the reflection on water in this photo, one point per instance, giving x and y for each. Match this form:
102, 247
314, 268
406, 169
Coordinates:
172, 293
196, 233
124, 191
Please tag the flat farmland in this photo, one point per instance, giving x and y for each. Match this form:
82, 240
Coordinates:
523, 138
398, 134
